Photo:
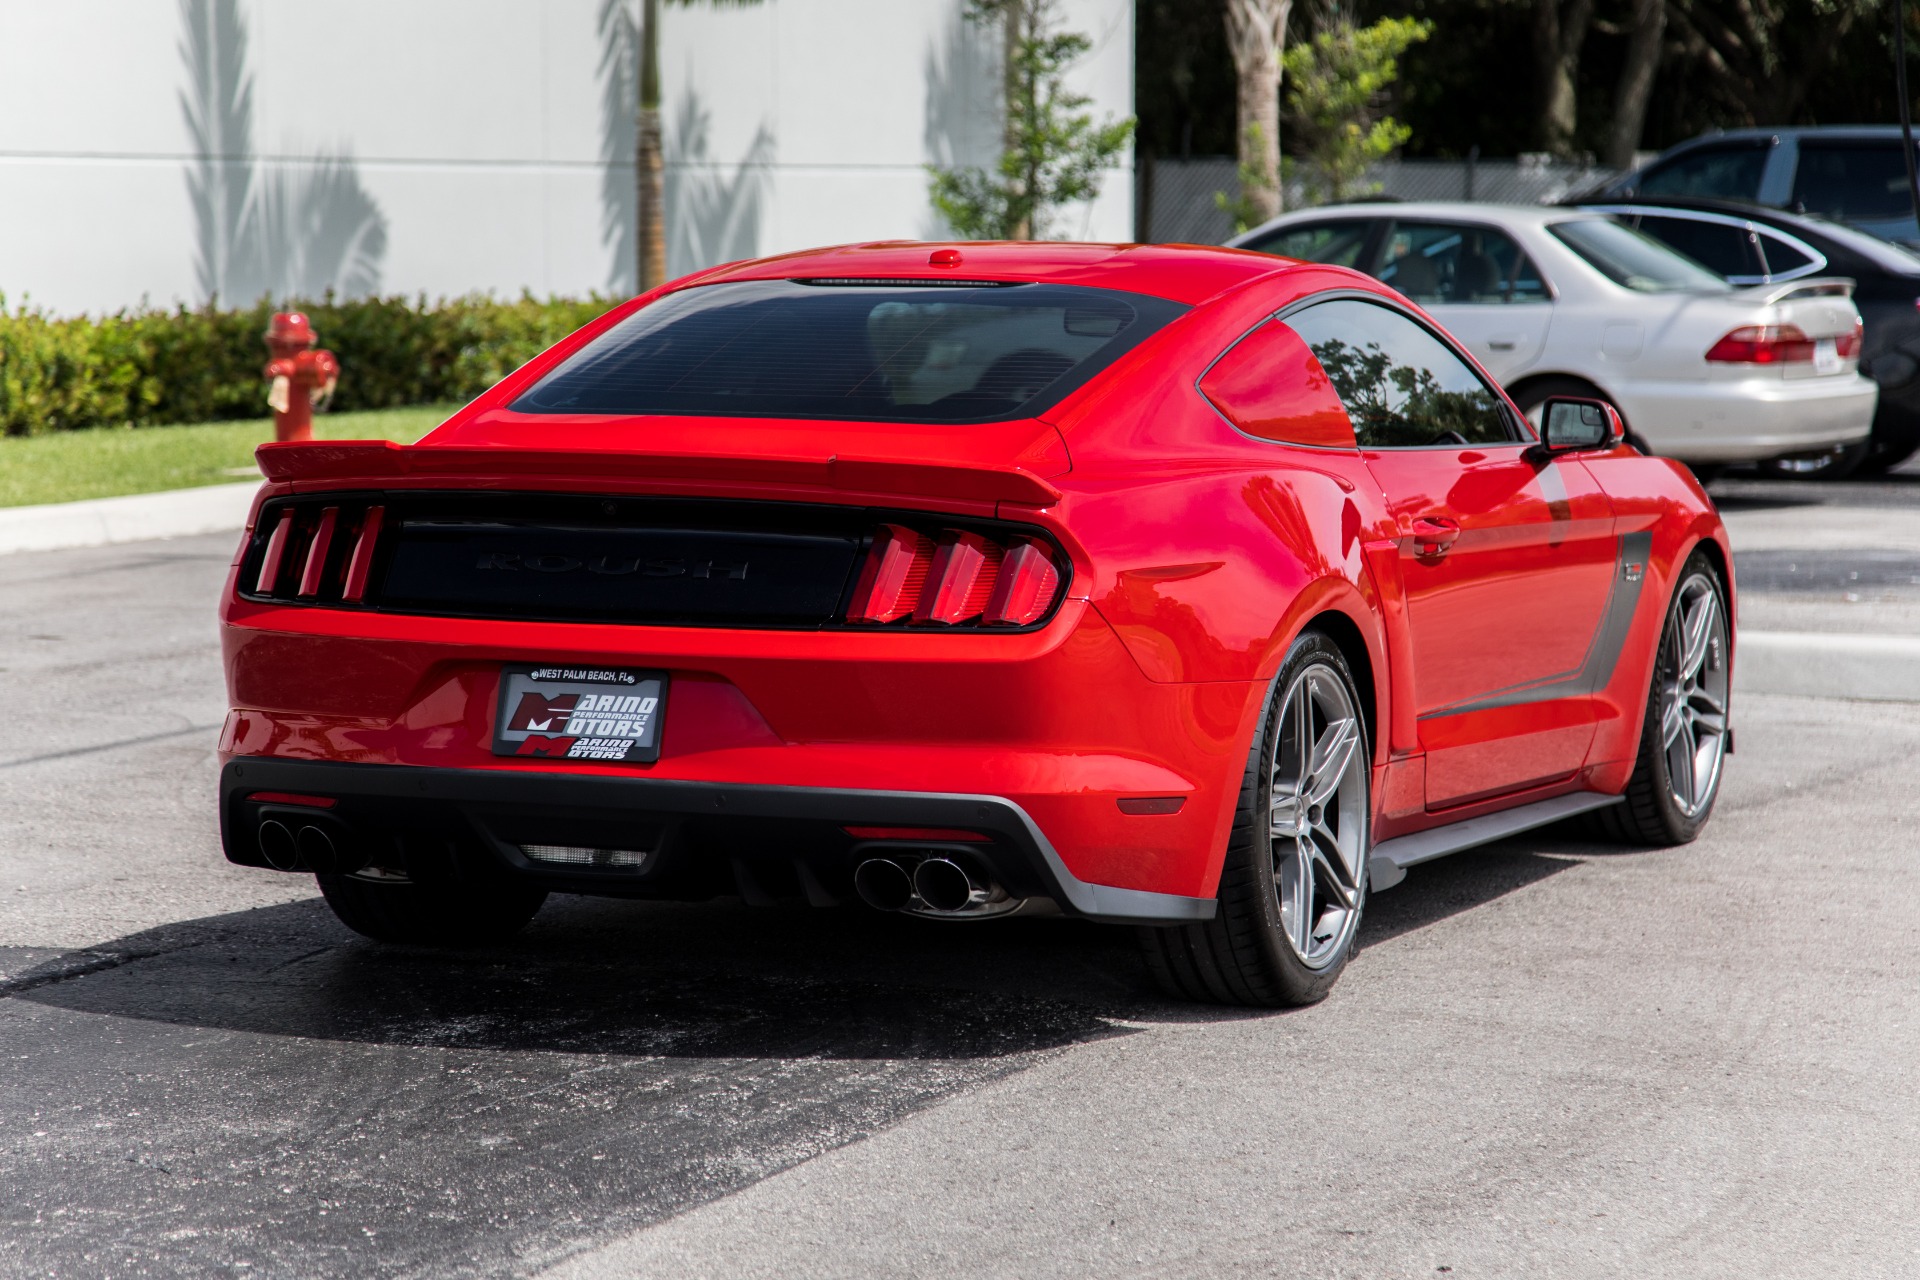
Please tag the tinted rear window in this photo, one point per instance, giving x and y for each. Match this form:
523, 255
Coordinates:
871, 351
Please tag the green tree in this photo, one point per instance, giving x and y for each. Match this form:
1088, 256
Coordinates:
1336, 92
1053, 152
649, 156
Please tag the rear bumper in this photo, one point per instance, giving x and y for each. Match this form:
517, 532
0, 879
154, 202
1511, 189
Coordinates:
1750, 420
700, 830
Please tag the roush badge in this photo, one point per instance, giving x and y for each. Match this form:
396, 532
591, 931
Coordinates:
580, 713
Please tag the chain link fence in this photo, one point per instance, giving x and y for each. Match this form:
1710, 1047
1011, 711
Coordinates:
1179, 199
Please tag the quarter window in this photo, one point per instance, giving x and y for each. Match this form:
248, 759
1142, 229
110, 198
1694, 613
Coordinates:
1403, 388
1722, 248
1335, 243
1438, 262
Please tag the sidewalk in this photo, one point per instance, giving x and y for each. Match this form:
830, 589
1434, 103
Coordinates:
99, 522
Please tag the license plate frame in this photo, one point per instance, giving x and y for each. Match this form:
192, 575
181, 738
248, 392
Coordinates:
539, 702
1826, 356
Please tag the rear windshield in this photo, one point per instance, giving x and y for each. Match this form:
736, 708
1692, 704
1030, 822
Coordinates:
860, 350
1635, 259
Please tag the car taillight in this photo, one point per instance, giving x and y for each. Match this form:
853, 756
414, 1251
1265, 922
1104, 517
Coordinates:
1848, 345
1763, 344
955, 578
317, 552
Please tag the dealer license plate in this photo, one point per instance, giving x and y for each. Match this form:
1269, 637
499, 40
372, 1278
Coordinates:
580, 713
1826, 356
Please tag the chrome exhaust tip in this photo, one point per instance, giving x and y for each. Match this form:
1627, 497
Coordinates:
883, 884
945, 885
317, 850
278, 847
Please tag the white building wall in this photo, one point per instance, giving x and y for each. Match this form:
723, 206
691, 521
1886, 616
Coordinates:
446, 146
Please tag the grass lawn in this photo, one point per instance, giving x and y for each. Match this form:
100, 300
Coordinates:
107, 462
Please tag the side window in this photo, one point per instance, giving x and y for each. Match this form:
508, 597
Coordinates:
1730, 173
1724, 249
1849, 183
1403, 388
1270, 385
1784, 258
1445, 262
1335, 243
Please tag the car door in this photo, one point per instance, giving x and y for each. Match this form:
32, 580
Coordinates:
1506, 565
1475, 280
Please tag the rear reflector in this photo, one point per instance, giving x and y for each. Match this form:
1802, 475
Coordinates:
293, 797
948, 834
1149, 806
1763, 344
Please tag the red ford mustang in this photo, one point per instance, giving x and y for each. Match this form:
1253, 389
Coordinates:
1183, 588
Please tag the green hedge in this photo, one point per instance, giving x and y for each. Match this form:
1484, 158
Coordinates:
146, 368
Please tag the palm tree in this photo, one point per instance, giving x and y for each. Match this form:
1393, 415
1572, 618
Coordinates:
1257, 34
649, 161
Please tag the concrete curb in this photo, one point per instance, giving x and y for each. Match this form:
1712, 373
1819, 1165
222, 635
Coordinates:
96, 522
1875, 668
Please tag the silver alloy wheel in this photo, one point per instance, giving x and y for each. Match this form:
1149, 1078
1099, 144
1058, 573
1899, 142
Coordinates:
1693, 697
1319, 816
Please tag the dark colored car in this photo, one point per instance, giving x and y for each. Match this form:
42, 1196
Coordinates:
1750, 245
1848, 173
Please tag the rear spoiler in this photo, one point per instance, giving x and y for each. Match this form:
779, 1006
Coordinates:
1811, 287
332, 463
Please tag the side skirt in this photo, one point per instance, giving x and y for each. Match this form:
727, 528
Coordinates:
1391, 858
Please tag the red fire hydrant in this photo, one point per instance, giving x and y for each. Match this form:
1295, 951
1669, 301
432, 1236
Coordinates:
298, 376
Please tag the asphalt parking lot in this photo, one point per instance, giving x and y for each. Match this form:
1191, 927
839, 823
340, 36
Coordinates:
1552, 1058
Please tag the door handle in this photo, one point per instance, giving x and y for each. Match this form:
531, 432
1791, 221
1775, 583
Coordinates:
1434, 535
1502, 344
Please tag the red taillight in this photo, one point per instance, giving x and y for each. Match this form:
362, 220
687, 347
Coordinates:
1025, 588
1763, 344
318, 552
1848, 345
893, 576
958, 578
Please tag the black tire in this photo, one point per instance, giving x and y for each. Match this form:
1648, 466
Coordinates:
1242, 956
1837, 465
1651, 815
438, 914
1884, 458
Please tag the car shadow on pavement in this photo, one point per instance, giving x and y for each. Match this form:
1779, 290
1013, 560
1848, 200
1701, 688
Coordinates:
706, 980
714, 980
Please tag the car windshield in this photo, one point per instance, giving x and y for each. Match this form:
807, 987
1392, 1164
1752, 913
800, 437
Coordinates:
852, 349
1633, 259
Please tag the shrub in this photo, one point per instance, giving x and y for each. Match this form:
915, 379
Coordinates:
148, 368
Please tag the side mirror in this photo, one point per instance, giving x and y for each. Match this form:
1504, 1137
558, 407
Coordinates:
1569, 425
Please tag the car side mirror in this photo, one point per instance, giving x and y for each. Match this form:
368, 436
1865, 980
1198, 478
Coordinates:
1568, 425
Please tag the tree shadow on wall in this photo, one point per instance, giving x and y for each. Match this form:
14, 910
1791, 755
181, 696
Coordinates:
713, 209
619, 138
963, 121
280, 227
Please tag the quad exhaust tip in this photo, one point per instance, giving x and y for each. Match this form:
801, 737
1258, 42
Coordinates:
944, 885
307, 847
883, 884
